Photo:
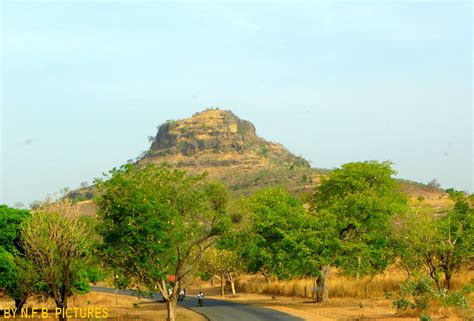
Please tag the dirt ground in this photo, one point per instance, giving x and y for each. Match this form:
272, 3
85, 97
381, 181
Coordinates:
120, 307
335, 309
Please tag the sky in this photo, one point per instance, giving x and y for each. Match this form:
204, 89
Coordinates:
84, 83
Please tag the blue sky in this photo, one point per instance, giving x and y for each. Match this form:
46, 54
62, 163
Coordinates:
85, 83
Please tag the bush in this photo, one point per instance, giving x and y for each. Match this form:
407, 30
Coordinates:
457, 299
421, 296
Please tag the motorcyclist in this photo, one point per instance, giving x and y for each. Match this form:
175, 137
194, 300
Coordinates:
182, 294
200, 298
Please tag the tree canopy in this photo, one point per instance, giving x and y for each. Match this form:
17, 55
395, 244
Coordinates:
440, 244
17, 276
353, 209
156, 222
57, 241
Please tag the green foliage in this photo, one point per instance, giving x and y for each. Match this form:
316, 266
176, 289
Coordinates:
17, 276
420, 294
157, 221
10, 220
171, 123
81, 284
223, 263
415, 294
439, 244
205, 276
354, 208
457, 299
420, 290
276, 242
264, 150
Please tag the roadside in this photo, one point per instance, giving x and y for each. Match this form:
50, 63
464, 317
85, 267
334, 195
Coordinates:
335, 309
120, 307
340, 309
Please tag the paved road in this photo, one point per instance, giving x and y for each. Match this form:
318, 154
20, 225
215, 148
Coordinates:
219, 310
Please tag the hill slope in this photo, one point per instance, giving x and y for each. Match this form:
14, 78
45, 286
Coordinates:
229, 150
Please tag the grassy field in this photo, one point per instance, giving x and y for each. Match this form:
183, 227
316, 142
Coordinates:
340, 286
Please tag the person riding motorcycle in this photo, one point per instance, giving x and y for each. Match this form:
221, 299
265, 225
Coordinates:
182, 295
200, 298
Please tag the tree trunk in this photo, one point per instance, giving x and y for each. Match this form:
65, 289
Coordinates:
321, 288
267, 278
63, 302
171, 307
222, 285
359, 262
63, 307
212, 280
232, 286
447, 278
433, 271
19, 303
435, 277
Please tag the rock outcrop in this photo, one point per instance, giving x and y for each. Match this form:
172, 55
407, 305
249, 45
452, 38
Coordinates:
228, 149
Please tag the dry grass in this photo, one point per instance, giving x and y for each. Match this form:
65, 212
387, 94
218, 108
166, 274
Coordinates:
340, 286
369, 298
120, 307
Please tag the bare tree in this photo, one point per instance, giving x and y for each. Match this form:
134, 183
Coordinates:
57, 242
34, 205
434, 184
19, 205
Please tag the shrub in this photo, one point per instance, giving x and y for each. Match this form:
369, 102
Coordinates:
421, 296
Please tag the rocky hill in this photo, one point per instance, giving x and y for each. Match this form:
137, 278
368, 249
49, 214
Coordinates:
229, 150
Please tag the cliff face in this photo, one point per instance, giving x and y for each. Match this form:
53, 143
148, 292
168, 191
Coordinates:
212, 130
228, 149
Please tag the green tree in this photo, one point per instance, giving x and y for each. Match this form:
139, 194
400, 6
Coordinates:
457, 235
17, 277
156, 224
57, 242
276, 243
354, 209
439, 244
224, 264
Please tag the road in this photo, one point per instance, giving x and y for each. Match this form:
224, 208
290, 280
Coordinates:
219, 310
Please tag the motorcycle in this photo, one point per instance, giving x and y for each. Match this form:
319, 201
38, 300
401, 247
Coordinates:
200, 301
